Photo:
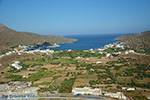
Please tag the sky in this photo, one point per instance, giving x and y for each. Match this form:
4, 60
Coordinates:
67, 17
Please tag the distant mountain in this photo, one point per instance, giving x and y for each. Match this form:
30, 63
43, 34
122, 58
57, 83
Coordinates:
9, 37
136, 41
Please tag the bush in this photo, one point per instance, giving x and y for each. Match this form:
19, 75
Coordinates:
15, 77
2, 72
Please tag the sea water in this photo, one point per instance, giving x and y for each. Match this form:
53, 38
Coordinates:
87, 42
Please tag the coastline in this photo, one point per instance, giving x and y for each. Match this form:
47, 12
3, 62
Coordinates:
86, 42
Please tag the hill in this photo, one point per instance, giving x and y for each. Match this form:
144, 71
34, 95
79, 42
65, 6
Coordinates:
124, 36
9, 37
138, 42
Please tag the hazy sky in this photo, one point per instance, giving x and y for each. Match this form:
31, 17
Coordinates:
64, 17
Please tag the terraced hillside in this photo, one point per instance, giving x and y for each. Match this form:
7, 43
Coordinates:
65, 70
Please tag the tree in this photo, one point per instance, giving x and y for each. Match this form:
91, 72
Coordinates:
92, 82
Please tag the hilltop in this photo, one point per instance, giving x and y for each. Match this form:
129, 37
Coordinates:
137, 42
9, 37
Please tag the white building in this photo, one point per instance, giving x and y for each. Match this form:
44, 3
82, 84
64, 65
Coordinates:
126, 52
31, 90
100, 49
119, 46
42, 51
109, 46
99, 62
117, 53
15, 64
101, 52
92, 70
78, 57
69, 50
91, 49
118, 95
19, 53
9, 53
131, 51
24, 76
130, 89
86, 90
124, 88
108, 54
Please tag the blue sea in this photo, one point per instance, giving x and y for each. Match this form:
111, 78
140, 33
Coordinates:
87, 42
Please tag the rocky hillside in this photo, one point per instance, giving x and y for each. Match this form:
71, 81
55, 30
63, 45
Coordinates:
137, 41
9, 37
124, 36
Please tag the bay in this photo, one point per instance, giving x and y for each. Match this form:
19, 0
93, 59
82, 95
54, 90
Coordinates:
87, 42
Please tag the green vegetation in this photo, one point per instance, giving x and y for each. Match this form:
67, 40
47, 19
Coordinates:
44, 83
56, 71
55, 77
77, 53
66, 85
15, 77
4, 51
42, 73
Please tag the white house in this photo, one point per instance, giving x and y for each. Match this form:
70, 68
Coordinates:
118, 95
130, 89
69, 50
99, 62
86, 90
92, 70
119, 46
100, 49
24, 76
19, 53
111, 56
16, 50
101, 52
9, 53
131, 51
42, 51
108, 54
124, 88
126, 52
91, 49
15, 64
78, 57
31, 90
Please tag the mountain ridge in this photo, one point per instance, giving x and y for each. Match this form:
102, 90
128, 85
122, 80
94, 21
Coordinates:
10, 37
136, 41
